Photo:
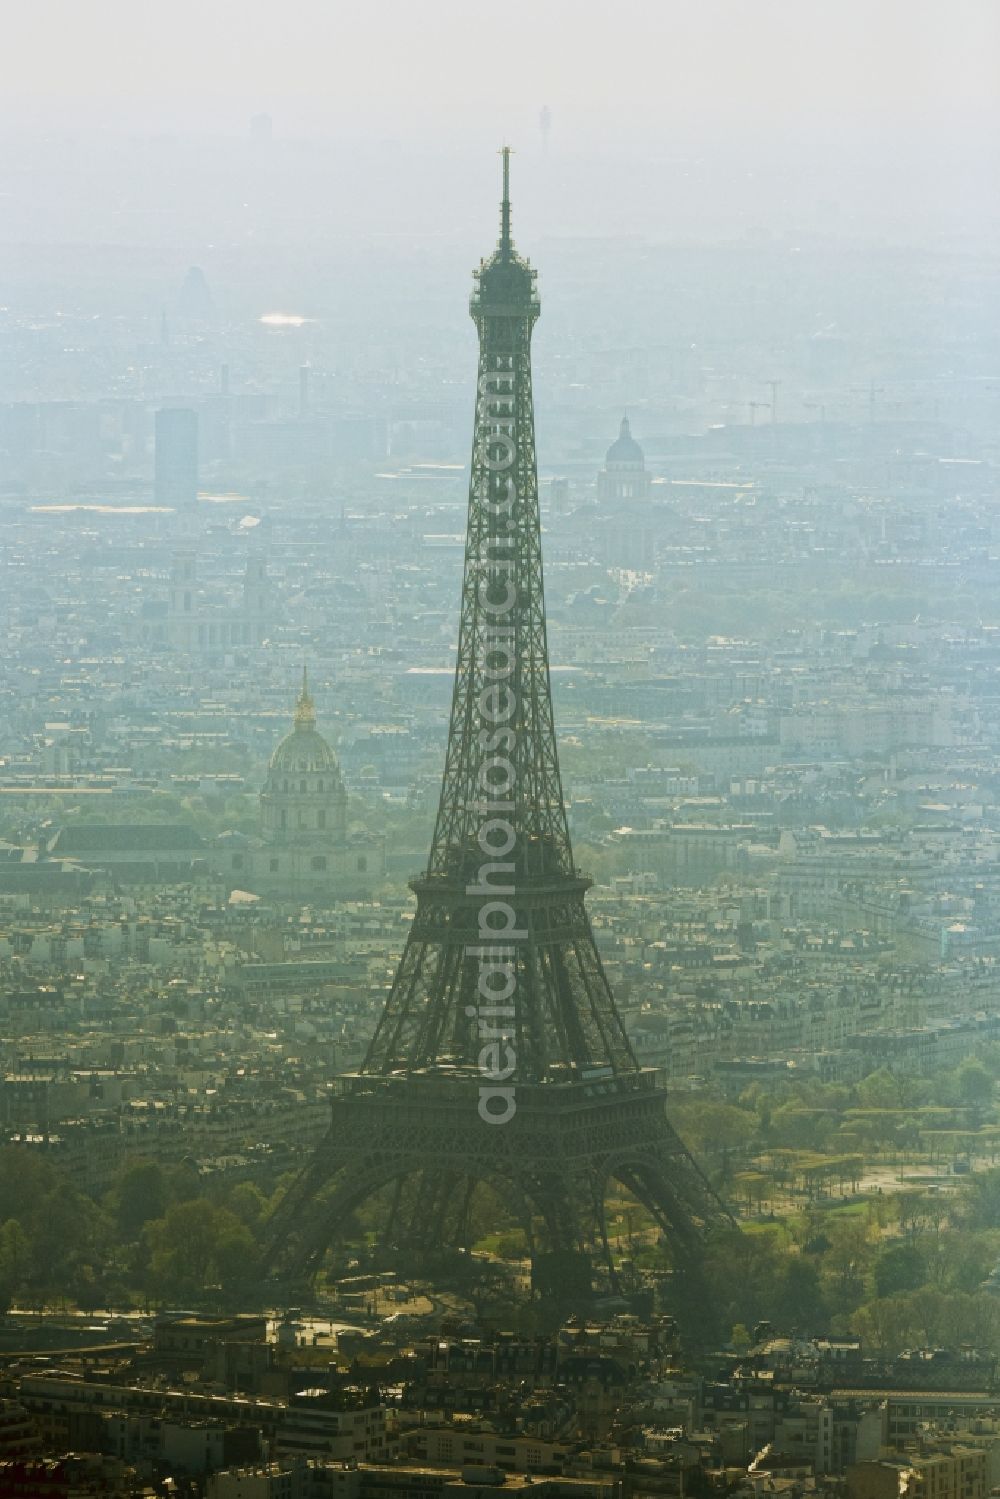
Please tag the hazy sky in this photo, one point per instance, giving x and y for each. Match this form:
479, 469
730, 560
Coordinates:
420, 67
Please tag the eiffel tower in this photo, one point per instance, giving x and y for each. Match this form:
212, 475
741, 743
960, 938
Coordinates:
500, 1056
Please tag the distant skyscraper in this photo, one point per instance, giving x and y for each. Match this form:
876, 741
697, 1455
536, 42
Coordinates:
175, 460
545, 125
195, 300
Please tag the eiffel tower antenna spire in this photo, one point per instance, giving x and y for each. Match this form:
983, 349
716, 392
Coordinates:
500, 1055
506, 245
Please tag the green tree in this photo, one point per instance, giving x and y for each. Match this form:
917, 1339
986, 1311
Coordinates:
884, 1324
899, 1267
712, 1128
801, 1295
845, 1263
15, 1255
740, 1337
234, 1253
140, 1193
979, 1205
196, 1245
249, 1205
879, 1090
743, 1271
975, 1084
25, 1178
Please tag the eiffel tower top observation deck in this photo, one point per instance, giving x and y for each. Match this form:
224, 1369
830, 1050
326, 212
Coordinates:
506, 282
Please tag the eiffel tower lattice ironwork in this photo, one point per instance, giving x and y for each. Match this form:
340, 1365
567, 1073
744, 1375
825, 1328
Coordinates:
500, 1056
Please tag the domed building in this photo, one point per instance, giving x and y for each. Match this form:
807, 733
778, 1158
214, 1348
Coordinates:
304, 799
304, 851
624, 475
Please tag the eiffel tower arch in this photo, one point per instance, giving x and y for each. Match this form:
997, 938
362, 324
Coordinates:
500, 1057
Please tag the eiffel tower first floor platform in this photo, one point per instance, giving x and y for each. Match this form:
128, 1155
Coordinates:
419, 1137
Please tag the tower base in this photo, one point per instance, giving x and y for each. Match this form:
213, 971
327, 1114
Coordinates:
421, 1136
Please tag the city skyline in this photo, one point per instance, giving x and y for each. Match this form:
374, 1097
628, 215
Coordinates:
463, 1035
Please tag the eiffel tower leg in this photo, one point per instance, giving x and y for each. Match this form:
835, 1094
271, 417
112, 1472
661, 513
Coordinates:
515, 1195
395, 1209
551, 1195
464, 1226
652, 1186
432, 1220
